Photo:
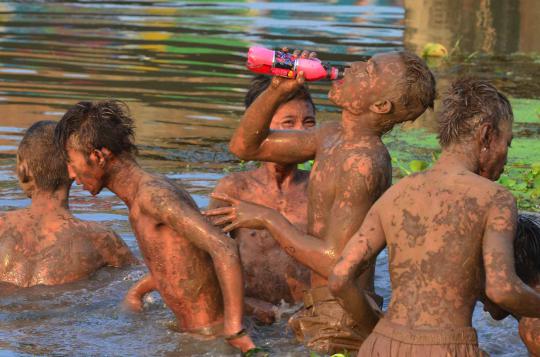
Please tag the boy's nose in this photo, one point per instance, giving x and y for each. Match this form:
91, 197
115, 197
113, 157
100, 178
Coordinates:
71, 173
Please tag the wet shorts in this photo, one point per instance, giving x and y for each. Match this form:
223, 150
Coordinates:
323, 326
391, 340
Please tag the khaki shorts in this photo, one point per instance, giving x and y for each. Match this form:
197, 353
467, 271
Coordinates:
323, 326
391, 340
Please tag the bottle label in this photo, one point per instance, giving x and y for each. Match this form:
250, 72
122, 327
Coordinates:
284, 60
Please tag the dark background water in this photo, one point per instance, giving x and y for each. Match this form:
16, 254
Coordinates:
180, 67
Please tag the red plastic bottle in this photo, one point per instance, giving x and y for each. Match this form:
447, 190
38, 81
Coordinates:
283, 64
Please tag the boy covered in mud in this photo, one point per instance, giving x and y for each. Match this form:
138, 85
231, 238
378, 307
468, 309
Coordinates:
194, 267
270, 274
449, 232
352, 169
44, 243
527, 256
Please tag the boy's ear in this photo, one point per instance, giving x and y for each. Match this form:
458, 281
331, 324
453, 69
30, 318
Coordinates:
484, 135
102, 156
381, 107
23, 172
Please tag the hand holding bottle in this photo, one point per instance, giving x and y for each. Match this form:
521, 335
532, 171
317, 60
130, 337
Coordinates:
285, 64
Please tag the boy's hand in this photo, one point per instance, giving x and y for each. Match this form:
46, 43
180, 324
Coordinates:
243, 343
287, 86
240, 214
132, 303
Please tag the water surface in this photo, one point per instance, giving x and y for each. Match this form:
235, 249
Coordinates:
179, 66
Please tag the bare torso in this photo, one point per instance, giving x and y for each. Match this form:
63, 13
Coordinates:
333, 188
434, 224
270, 273
183, 274
54, 248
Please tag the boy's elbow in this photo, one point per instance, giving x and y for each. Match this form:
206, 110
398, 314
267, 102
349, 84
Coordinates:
239, 150
500, 296
336, 284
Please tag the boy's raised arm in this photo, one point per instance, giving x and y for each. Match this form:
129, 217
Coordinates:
503, 286
254, 140
165, 206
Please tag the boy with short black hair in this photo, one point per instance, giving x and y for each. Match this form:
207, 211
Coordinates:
44, 243
194, 267
449, 231
351, 171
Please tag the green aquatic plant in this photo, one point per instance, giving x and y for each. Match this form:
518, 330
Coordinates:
524, 183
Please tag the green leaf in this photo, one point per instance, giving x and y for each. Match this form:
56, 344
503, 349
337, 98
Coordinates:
418, 165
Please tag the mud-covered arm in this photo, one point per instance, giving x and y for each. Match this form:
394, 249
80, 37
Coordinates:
503, 286
319, 254
254, 140
308, 250
529, 331
359, 253
114, 250
169, 207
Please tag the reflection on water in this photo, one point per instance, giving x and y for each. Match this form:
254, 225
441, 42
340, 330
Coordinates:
180, 67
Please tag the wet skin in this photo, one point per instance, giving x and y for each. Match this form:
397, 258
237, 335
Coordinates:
44, 244
352, 166
194, 267
449, 233
270, 274
529, 328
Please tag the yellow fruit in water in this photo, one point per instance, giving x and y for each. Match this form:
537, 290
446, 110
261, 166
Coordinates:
434, 50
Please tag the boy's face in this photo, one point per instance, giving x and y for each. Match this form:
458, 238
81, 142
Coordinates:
365, 83
85, 171
297, 114
492, 163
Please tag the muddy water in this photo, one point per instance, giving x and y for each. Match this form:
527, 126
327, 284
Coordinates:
179, 65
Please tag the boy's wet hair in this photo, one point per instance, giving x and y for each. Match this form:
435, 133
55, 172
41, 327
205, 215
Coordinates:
468, 104
419, 86
259, 84
527, 248
89, 126
43, 159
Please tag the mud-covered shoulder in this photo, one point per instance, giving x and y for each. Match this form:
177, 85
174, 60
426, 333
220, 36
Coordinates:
157, 193
235, 183
327, 130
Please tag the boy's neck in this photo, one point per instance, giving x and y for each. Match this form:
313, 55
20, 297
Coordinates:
123, 177
458, 157
359, 125
280, 175
48, 201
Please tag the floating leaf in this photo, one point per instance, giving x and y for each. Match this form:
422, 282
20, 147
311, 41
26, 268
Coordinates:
418, 165
434, 50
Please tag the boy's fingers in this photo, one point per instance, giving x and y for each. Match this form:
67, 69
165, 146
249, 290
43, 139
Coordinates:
230, 227
300, 79
217, 211
223, 220
223, 197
